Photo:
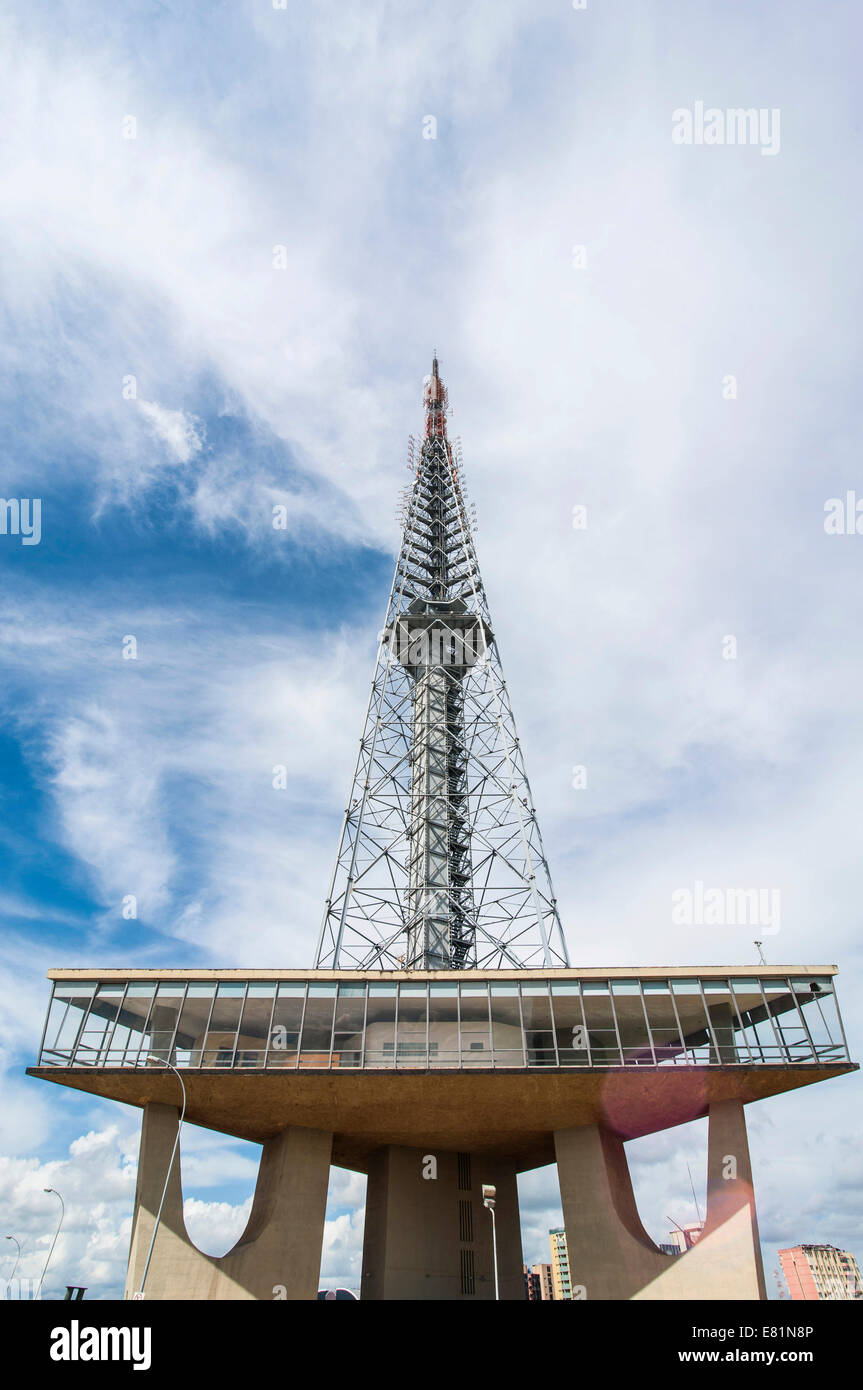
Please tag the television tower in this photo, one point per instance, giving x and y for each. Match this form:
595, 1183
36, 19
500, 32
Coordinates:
440, 862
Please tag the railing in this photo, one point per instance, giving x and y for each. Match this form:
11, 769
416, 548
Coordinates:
498, 1059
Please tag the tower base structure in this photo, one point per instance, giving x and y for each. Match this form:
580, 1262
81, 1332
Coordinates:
428, 1235
278, 1254
434, 1084
611, 1255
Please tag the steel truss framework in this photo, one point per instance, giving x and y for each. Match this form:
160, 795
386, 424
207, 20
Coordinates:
440, 861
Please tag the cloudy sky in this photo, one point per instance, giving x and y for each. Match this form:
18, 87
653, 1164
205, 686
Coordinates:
232, 237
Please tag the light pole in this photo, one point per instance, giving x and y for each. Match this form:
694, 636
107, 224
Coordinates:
56, 1234
168, 1174
488, 1199
17, 1257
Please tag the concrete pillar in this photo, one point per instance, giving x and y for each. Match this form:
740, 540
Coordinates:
430, 1237
278, 1254
731, 1227
611, 1255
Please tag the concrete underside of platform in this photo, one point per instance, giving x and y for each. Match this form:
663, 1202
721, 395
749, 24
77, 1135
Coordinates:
510, 1115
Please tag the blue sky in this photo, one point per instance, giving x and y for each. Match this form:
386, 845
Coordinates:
256, 386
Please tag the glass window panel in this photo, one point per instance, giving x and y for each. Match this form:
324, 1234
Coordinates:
474, 1005
821, 1018
318, 1026
599, 1021
255, 1025
224, 1023
569, 1026
819, 1009
96, 1037
106, 1008
759, 1030
443, 1025
722, 1012
693, 1019
538, 1026
507, 1041
475, 1035
118, 1052
597, 1006
413, 1017
805, 985
662, 1021
350, 1009
66, 1015
380, 1026
135, 1013
285, 1027
631, 1023
100, 1019
412, 1004
536, 1008
192, 1026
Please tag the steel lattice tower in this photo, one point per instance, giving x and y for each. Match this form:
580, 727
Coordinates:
440, 862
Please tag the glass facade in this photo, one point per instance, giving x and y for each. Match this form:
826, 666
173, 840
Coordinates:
483, 1023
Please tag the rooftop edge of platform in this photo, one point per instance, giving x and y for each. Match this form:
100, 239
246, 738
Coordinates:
105, 973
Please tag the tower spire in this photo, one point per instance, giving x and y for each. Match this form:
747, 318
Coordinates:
435, 402
440, 862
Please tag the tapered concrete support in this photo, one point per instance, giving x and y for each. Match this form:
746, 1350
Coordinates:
278, 1254
611, 1255
430, 1237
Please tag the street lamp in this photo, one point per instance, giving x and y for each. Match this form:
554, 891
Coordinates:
17, 1257
56, 1234
489, 1194
170, 1169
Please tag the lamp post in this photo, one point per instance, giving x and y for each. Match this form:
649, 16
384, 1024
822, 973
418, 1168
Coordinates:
17, 1257
56, 1234
489, 1194
168, 1174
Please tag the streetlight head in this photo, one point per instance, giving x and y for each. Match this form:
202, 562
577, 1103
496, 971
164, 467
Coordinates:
47, 1189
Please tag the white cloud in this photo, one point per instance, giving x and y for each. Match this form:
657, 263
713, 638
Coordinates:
182, 434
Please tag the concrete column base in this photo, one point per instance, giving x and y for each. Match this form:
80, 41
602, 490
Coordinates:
430, 1237
278, 1254
611, 1255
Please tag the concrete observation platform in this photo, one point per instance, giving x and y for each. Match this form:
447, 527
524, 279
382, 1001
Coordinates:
434, 1083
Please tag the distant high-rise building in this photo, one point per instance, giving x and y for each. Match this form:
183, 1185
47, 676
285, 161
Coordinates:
821, 1272
538, 1283
560, 1277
